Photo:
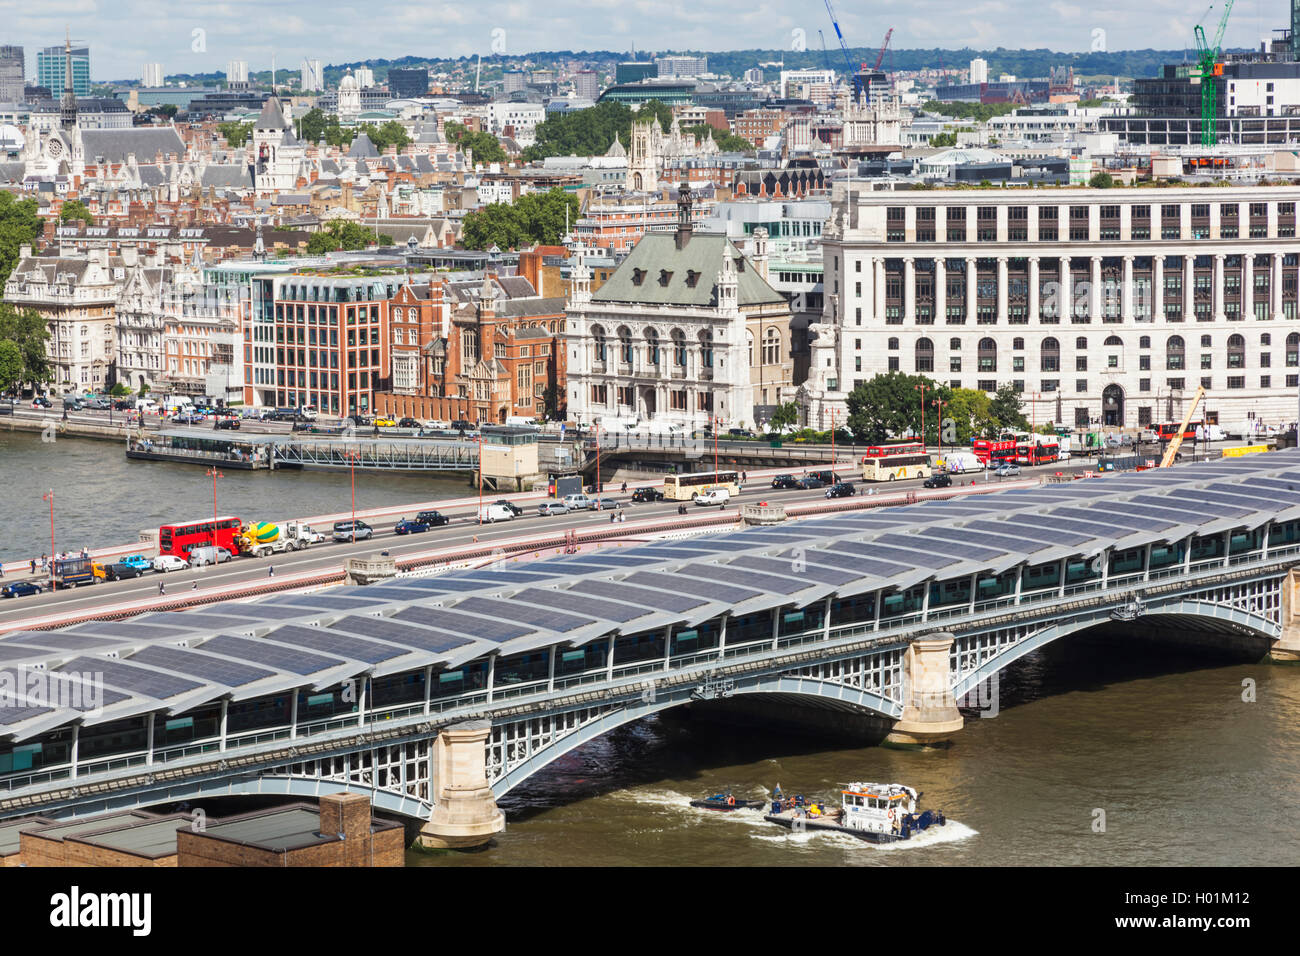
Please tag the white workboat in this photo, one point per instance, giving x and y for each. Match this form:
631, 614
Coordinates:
875, 812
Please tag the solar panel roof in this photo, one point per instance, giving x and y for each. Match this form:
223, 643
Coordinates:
537, 617
712, 590
412, 635
287, 660
650, 598
132, 679
576, 599
335, 644
201, 665
486, 628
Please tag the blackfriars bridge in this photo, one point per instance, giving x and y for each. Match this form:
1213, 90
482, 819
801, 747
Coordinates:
437, 695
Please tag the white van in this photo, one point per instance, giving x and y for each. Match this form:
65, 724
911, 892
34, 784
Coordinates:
960, 462
490, 513
714, 496
523, 420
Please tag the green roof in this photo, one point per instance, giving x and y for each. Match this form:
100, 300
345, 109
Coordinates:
665, 274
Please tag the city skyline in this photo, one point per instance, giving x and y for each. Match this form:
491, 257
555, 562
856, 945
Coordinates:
208, 35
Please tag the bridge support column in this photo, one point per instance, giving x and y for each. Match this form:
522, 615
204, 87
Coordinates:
930, 713
465, 811
1287, 648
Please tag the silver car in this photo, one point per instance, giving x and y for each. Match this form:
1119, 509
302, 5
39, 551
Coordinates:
1008, 471
552, 508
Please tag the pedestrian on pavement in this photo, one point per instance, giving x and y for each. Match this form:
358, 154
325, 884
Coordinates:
270, 571
33, 565
625, 487
194, 586
612, 517
622, 516
162, 587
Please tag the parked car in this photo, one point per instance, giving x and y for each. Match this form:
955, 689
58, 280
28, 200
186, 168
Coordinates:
352, 531
432, 519
578, 502
408, 423
121, 572
40, 401
785, 481
461, 425
21, 589
492, 513
436, 425
358, 420
408, 526
547, 508
810, 481
169, 562
1008, 470
137, 561
714, 496
513, 507
841, 489
740, 433
648, 494
938, 481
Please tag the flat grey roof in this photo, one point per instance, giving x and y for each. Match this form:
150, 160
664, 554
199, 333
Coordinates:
172, 661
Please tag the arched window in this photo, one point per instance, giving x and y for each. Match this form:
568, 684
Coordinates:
652, 346
1050, 355
1017, 344
1293, 350
988, 355
924, 355
1266, 339
893, 345
954, 345
1114, 340
598, 342
1175, 353
1144, 342
679, 348
1236, 351
706, 349
749, 342
625, 344
1205, 341
771, 347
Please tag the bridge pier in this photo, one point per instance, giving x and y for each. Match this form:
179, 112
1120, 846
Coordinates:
465, 812
930, 714
1287, 648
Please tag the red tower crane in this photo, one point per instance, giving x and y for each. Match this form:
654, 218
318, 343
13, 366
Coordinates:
881, 55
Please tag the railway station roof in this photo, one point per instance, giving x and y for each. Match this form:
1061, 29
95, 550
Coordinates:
174, 661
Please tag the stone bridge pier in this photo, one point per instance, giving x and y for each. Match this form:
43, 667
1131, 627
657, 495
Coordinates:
1287, 648
930, 714
465, 811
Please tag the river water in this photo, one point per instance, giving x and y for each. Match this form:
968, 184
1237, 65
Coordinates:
103, 499
1186, 772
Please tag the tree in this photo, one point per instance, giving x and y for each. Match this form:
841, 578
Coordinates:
76, 209
968, 411
20, 224
943, 140
784, 416
391, 133
1005, 409
119, 390
340, 234
1102, 180
165, 111
586, 132
533, 218
11, 365
485, 147
27, 331
553, 403
726, 140
236, 134
888, 405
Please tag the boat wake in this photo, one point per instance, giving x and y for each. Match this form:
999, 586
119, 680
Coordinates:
951, 832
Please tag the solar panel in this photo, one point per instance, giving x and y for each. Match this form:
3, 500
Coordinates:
238, 610
537, 617
730, 573
726, 593
124, 629
913, 554
968, 537
202, 666
820, 573
573, 600
489, 578
327, 602
650, 598
191, 619
334, 644
282, 659
17, 652
134, 680
12, 715
65, 642
386, 629
1130, 523
486, 628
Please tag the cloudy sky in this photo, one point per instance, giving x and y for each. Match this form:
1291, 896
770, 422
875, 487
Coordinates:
202, 36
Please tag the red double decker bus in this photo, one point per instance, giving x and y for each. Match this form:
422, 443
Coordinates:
993, 451
896, 448
1037, 453
1165, 431
179, 538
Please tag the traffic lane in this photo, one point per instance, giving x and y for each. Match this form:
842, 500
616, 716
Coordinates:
329, 556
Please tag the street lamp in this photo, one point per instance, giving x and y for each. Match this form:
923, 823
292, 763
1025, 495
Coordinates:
479, 441
938, 402
922, 388
351, 456
214, 474
49, 496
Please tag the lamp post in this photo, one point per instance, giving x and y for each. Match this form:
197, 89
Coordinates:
597, 463
479, 441
833, 458
49, 496
922, 388
351, 456
938, 403
214, 474
713, 427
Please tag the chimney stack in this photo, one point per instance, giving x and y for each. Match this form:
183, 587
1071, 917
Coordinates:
683, 234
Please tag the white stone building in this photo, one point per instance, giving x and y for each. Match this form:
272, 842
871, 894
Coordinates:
1103, 307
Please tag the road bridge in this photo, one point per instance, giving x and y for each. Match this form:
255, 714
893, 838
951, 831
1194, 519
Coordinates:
436, 695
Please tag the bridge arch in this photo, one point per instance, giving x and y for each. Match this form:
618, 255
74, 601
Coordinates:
1224, 617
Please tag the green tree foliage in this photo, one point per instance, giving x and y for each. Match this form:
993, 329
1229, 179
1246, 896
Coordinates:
11, 365
119, 390
1102, 180
391, 133
980, 112
165, 111
76, 209
26, 330
485, 147
655, 109
1006, 409
784, 416
20, 224
943, 140
889, 406
236, 134
581, 133
533, 218
344, 235
553, 403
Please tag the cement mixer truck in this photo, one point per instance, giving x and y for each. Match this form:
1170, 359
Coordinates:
260, 538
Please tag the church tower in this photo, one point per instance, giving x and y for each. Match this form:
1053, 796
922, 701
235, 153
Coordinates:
68, 104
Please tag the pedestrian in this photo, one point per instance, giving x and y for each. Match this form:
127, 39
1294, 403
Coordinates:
612, 517
622, 516
270, 571
194, 586
33, 565
744, 476
162, 587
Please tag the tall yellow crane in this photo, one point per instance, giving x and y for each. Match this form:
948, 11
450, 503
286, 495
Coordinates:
1177, 441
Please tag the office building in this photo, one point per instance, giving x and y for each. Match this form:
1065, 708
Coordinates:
11, 74
408, 83
237, 74
152, 76
50, 69
682, 65
364, 76
313, 76
979, 70
634, 72
586, 84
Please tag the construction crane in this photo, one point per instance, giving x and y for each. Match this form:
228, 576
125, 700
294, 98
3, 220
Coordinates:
1177, 441
826, 57
1207, 58
881, 55
848, 60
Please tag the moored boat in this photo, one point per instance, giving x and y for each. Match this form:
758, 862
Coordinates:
875, 812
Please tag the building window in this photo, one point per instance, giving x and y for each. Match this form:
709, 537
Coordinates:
1236, 381
1174, 353
1050, 355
